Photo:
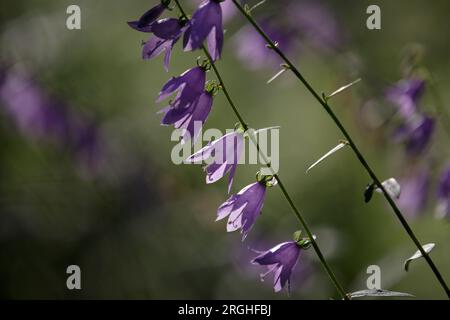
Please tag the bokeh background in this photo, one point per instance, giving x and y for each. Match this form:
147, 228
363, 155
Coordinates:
86, 176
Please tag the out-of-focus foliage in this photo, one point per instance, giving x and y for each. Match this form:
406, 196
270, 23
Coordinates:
142, 227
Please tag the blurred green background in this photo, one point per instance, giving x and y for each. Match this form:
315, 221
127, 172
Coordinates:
142, 227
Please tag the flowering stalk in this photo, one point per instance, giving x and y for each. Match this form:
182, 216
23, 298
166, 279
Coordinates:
265, 159
324, 103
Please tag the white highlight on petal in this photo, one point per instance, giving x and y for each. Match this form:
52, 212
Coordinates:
392, 187
329, 153
426, 247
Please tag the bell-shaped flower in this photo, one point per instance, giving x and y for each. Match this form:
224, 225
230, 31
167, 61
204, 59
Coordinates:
405, 96
144, 24
223, 155
206, 24
415, 189
416, 133
188, 88
243, 208
191, 119
166, 34
280, 260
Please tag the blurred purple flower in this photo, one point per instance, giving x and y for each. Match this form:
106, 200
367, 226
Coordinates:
405, 95
206, 24
281, 260
251, 48
191, 118
188, 87
413, 197
416, 133
315, 22
145, 22
243, 208
225, 152
38, 116
444, 194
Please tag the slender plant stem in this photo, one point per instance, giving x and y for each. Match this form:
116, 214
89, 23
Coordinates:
442, 112
294, 208
353, 146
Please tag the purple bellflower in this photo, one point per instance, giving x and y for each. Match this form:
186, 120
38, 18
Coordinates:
413, 198
416, 133
166, 34
225, 153
144, 24
191, 119
444, 194
243, 208
405, 96
206, 24
281, 260
188, 88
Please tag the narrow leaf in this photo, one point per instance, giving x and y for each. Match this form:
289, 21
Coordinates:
343, 88
378, 293
329, 153
426, 247
392, 187
279, 73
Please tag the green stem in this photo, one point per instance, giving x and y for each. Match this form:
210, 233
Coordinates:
294, 208
441, 111
353, 146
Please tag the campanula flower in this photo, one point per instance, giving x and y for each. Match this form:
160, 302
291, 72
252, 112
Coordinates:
415, 187
191, 118
225, 153
281, 260
206, 24
405, 95
444, 194
144, 24
243, 208
416, 133
188, 88
166, 34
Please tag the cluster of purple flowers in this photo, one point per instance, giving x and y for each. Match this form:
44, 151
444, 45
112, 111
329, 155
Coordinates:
415, 131
191, 103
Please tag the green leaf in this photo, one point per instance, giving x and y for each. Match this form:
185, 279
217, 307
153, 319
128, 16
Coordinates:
426, 247
378, 293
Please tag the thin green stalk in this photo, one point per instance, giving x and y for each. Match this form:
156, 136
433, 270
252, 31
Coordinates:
441, 111
294, 208
353, 146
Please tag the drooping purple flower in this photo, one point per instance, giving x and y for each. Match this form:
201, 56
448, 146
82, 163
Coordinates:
416, 133
224, 154
243, 208
145, 22
280, 260
166, 34
188, 88
191, 118
413, 198
206, 24
444, 194
405, 95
